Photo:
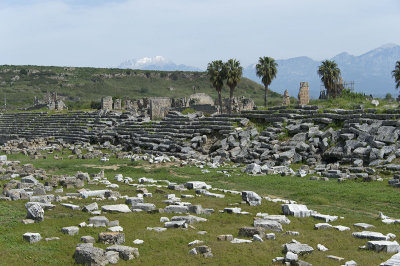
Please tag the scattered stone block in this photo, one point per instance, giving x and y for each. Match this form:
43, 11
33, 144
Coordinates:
125, 252
70, 230
110, 238
225, 237
296, 210
122, 208
32, 237
98, 221
88, 239
383, 245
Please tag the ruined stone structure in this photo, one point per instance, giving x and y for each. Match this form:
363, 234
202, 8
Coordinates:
107, 103
51, 101
238, 104
159, 107
304, 96
286, 98
200, 98
117, 104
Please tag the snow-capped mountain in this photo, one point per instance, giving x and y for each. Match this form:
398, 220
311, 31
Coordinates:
156, 63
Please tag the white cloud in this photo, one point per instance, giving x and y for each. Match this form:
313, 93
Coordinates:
103, 33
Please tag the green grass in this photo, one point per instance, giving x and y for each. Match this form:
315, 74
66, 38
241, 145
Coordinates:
83, 85
356, 201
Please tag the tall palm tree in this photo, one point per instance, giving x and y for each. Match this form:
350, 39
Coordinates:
217, 73
266, 69
233, 75
330, 75
396, 74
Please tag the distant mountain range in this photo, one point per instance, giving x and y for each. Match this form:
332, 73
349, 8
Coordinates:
371, 72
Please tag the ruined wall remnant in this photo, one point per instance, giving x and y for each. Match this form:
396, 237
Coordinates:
200, 98
117, 104
159, 107
304, 96
107, 103
51, 101
286, 98
238, 104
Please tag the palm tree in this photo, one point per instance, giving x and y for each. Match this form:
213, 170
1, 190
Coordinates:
233, 75
396, 74
330, 75
217, 72
266, 69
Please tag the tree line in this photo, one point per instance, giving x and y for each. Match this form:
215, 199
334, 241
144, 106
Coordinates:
231, 72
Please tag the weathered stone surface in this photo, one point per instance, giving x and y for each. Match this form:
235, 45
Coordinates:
268, 225
189, 219
125, 252
176, 209
176, 224
89, 255
143, 206
252, 198
91, 207
116, 208
393, 261
370, 235
32, 237
322, 226
383, 245
70, 230
282, 219
251, 231
225, 237
296, 210
325, 217
110, 238
197, 185
35, 212
297, 248
98, 221
88, 239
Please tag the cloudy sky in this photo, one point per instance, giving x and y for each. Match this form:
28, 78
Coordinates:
193, 32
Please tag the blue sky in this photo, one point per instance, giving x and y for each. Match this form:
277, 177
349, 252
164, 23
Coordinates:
103, 33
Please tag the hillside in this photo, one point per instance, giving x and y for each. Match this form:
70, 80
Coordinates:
20, 84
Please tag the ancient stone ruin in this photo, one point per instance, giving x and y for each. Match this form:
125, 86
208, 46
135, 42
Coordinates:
107, 103
158, 107
51, 101
286, 98
304, 97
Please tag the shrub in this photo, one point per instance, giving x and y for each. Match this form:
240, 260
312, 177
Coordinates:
95, 105
188, 111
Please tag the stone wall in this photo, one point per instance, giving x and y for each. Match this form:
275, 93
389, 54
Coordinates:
200, 98
107, 103
159, 107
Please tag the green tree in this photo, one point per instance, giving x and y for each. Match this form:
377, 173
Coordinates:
330, 75
266, 69
388, 97
233, 75
396, 74
217, 73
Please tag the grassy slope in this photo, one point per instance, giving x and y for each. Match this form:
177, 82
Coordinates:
357, 202
90, 84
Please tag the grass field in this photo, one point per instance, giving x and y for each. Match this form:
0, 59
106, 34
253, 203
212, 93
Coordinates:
355, 201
